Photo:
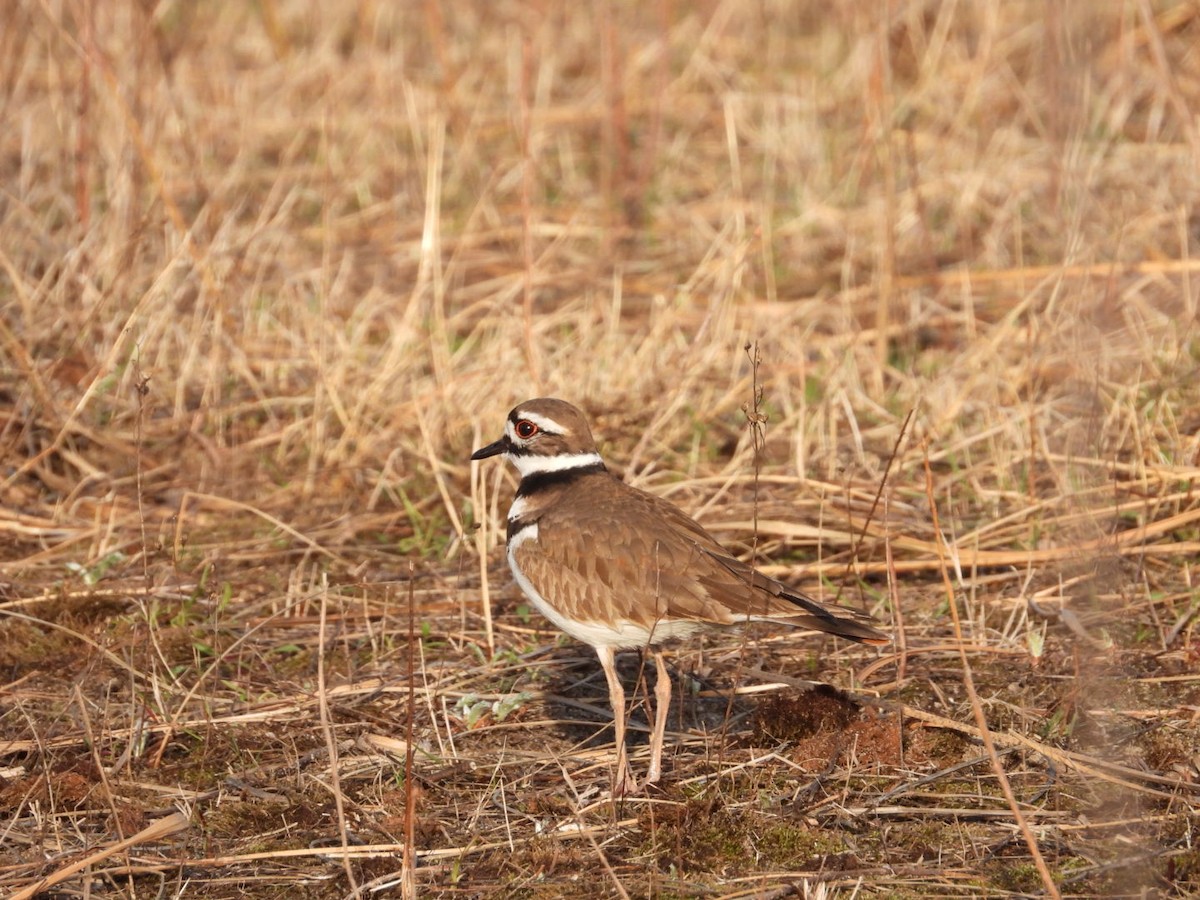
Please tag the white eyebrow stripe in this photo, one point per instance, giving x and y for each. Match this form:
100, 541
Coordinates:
536, 465
544, 423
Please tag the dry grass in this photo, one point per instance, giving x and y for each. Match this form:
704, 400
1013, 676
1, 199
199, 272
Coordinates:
268, 273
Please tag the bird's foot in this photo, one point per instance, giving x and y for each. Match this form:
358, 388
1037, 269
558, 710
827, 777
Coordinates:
625, 786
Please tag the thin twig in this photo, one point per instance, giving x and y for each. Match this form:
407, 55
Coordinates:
408, 882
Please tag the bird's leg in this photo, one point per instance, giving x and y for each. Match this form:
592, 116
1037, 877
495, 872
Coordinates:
662, 703
624, 782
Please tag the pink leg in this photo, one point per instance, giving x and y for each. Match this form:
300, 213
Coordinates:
624, 782
662, 703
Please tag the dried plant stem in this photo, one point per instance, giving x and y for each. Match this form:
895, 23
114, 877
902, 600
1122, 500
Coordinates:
525, 88
985, 733
752, 409
483, 533
408, 881
862, 532
155, 831
335, 779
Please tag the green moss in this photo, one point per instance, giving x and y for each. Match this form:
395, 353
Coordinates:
697, 836
1021, 877
793, 846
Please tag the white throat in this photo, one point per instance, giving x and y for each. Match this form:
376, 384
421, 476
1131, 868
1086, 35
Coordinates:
537, 465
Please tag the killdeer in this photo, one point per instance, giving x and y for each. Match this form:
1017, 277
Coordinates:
618, 568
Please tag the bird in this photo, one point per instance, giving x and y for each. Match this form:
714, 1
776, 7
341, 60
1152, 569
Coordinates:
618, 568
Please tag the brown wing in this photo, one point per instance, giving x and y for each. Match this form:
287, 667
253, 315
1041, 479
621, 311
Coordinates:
612, 558
637, 557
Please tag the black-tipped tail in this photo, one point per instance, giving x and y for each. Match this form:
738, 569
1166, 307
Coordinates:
836, 620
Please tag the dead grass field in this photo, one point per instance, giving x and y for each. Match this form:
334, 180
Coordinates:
269, 272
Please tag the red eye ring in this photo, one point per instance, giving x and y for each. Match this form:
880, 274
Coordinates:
526, 429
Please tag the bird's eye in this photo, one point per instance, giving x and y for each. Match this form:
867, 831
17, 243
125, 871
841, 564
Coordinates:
526, 429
